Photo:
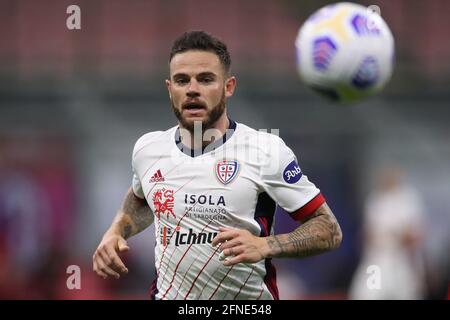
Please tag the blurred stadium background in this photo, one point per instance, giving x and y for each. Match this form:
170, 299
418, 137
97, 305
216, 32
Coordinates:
72, 104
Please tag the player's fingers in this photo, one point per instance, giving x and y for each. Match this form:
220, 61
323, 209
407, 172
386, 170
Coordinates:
234, 260
103, 255
105, 269
116, 262
230, 244
230, 231
123, 246
234, 251
222, 237
98, 271
222, 229
96, 258
231, 252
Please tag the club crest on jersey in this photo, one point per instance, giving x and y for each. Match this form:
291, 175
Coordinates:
227, 170
163, 202
292, 173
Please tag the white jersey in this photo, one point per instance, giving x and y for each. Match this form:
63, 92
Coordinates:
233, 183
389, 215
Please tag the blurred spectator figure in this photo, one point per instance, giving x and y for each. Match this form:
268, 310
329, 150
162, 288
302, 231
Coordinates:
392, 241
290, 285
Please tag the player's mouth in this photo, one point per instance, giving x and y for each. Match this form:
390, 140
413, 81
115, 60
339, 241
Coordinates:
193, 108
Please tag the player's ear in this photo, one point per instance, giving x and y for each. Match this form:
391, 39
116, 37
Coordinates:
230, 85
168, 84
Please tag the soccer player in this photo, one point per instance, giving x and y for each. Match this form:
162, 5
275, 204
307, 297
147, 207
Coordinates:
392, 265
210, 185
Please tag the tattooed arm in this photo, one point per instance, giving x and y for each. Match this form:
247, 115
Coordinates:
133, 217
318, 233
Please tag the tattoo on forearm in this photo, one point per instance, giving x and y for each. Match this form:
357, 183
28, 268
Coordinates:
135, 215
318, 234
127, 229
279, 244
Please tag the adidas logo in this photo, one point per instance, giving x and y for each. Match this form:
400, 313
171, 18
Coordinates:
157, 177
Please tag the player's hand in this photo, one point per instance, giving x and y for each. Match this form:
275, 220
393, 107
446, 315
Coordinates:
106, 261
238, 246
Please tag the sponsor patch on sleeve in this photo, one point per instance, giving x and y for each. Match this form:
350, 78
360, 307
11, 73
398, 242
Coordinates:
292, 172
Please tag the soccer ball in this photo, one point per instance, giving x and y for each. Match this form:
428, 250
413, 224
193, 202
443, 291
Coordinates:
345, 51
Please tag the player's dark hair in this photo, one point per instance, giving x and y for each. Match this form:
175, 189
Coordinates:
200, 40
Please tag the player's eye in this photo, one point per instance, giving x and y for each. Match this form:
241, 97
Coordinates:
206, 80
181, 81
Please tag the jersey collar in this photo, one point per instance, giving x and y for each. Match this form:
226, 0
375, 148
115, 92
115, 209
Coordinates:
197, 152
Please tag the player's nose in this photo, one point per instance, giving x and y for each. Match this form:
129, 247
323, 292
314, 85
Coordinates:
193, 89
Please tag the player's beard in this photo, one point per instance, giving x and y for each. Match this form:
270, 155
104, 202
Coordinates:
211, 116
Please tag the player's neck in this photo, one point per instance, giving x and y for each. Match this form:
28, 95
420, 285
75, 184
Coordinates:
199, 138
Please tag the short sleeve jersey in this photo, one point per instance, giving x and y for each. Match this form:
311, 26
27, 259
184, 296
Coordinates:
234, 182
